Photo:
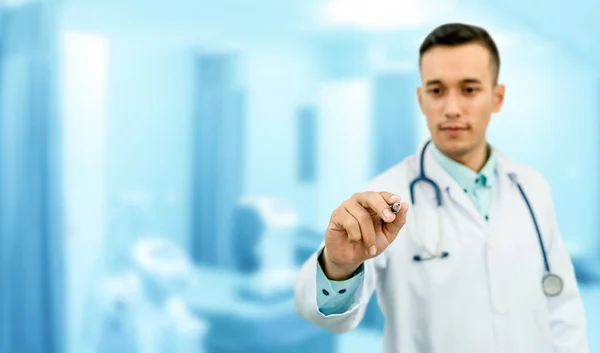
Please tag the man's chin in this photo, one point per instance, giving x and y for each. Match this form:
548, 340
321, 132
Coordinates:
454, 148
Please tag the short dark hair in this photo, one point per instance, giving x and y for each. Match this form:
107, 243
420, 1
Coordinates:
455, 34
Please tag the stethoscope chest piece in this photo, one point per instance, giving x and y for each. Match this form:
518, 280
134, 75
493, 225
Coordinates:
552, 285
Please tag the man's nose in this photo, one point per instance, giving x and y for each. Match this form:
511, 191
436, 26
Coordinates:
452, 107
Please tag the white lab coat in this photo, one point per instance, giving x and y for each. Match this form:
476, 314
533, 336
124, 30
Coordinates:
486, 296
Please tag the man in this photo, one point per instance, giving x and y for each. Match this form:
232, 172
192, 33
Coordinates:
466, 276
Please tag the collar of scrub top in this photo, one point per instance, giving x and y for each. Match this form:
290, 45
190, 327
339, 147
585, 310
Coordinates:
446, 183
466, 178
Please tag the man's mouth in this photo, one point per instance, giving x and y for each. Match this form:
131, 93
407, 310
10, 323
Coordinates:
454, 128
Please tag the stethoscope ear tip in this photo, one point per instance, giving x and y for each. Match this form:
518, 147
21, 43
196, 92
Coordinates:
418, 258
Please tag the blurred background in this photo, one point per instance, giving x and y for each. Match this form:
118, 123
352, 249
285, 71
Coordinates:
165, 169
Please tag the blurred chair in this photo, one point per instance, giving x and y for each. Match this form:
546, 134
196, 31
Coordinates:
164, 269
117, 332
141, 310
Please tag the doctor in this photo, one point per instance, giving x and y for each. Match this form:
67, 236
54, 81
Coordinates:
477, 262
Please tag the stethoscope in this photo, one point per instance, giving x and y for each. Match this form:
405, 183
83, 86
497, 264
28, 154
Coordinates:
552, 284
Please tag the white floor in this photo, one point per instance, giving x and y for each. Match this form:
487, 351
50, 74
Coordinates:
360, 341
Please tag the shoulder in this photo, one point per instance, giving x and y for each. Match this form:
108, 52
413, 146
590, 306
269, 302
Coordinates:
395, 178
528, 177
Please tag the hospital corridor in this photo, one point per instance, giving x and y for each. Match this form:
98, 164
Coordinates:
166, 168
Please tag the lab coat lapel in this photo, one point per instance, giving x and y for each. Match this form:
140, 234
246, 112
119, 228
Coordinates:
451, 191
506, 196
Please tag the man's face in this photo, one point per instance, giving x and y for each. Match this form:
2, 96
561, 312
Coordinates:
458, 96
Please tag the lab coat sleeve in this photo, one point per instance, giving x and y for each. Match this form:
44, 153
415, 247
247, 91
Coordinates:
306, 297
336, 297
566, 311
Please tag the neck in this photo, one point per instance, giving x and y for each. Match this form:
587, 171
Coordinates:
474, 160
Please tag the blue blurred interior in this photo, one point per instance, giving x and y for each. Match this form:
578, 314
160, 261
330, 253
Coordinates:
166, 167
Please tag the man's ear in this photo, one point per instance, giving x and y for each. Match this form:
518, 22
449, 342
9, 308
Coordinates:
499, 92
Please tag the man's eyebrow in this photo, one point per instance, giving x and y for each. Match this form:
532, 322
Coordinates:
433, 82
439, 82
471, 80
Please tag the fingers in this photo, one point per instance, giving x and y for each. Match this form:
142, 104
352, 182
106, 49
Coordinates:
359, 218
379, 203
345, 221
365, 222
